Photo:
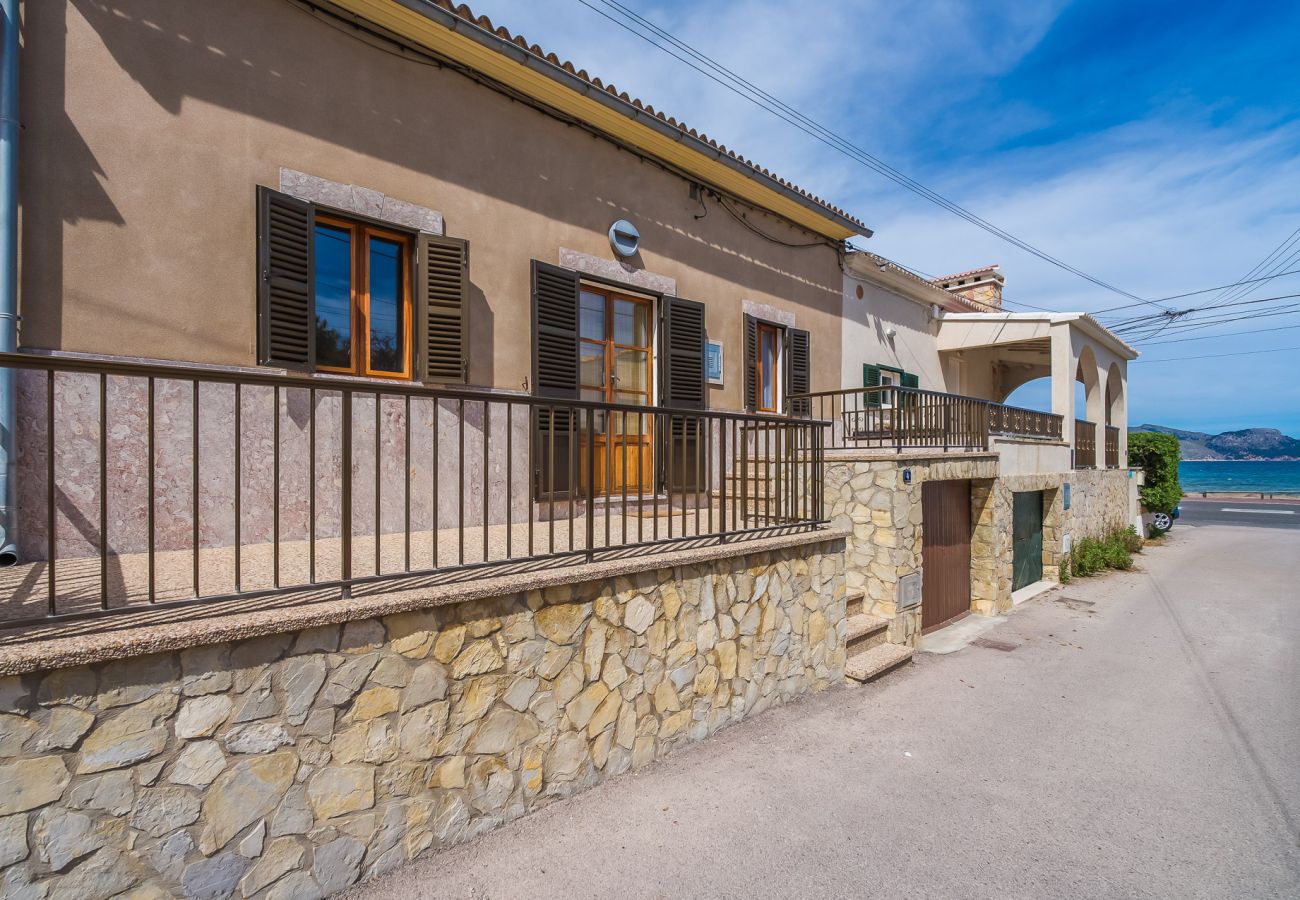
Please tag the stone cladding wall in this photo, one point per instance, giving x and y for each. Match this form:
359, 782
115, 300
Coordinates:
869, 496
1100, 503
293, 765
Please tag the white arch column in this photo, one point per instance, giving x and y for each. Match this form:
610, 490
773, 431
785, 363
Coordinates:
1064, 365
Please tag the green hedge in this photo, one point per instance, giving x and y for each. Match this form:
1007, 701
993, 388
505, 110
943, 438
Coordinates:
1157, 455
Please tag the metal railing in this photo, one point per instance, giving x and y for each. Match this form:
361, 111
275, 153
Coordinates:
900, 418
149, 485
1112, 447
1015, 421
1085, 444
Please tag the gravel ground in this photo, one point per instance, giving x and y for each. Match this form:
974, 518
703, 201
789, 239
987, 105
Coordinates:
1132, 735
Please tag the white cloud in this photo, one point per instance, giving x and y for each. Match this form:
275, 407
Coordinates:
1159, 206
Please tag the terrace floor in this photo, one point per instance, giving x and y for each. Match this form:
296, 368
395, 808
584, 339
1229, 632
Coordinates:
307, 572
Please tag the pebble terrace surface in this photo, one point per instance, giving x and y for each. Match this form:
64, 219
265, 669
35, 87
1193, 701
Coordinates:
294, 764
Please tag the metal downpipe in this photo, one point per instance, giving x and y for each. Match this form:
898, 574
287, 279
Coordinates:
8, 275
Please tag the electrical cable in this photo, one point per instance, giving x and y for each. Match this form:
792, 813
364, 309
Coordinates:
1206, 337
788, 114
1194, 293
1214, 355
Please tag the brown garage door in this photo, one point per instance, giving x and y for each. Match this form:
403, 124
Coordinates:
945, 545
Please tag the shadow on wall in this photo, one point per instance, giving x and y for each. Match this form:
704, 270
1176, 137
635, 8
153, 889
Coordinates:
264, 62
76, 172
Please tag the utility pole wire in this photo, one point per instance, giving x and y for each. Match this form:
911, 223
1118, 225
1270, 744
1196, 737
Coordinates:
729, 79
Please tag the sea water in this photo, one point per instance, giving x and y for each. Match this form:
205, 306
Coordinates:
1234, 475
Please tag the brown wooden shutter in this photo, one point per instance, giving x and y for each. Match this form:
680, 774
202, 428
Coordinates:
442, 310
555, 331
798, 363
751, 363
555, 374
681, 360
286, 281
681, 367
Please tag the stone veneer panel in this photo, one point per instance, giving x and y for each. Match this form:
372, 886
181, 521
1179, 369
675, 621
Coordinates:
360, 200
869, 496
618, 270
296, 764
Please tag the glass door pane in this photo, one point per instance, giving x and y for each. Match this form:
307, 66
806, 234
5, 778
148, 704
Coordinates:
767, 339
632, 370
333, 296
387, 306
591, 316
631, 323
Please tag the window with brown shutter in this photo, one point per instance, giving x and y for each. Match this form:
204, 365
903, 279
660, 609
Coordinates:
341, 293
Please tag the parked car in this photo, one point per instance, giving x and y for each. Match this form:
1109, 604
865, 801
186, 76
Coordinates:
1162, 521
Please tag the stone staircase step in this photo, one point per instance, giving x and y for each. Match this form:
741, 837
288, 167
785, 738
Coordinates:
853, 602
876, 661
865, 631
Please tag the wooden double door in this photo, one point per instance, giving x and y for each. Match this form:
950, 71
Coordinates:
615, 366
945, 548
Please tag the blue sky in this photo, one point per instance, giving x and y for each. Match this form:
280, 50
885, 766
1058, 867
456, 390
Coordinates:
1153, 144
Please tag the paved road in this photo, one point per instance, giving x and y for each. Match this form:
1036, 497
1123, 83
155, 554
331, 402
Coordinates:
1142, 739
1252, 513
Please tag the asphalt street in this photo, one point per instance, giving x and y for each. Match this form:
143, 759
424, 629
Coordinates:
1250, 513
1129, 735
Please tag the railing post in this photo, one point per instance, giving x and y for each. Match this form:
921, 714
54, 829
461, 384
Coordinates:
591, 483
722, 478
345, 519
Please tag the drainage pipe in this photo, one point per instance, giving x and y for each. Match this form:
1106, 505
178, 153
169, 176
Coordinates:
8, 274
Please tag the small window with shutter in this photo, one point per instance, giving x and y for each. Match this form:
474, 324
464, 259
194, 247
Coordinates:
778, 362
346, 295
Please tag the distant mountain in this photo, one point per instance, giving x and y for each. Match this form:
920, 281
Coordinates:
1252, 443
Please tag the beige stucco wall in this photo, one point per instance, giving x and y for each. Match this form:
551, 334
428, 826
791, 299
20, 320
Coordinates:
1029, 456
866, 341
148, 124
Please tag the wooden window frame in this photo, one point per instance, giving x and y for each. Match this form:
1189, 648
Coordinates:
611, 347
777, 333
360, 235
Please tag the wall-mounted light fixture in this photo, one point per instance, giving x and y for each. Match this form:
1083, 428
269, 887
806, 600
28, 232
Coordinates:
624, 238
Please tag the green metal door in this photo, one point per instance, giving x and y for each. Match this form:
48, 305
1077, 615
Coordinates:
1026, 539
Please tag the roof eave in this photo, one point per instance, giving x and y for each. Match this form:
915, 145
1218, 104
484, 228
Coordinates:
1083, 320
810, 214
907, 284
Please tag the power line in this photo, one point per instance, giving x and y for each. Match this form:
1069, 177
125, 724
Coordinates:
1211, 323
1277, 252
1214, 355
1138, 322
1197, 325
729, 80
1207, 337
1202, 291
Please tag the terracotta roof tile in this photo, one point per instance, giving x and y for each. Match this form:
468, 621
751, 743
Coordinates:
464, 13
980, 271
